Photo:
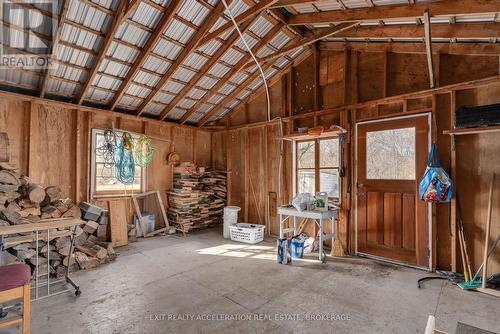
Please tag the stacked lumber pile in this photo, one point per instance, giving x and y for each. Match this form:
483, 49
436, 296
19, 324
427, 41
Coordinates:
24, 202
197, 198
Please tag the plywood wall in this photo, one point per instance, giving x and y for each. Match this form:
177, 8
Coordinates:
51, 144
350, 77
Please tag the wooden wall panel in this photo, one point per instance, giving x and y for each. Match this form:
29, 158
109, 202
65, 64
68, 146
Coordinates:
237, 146
371, 70
406, 73
256, 190
219, 150
15, 120
184, 142
303, 77
460, 68
203, 149
53, 148
332, 79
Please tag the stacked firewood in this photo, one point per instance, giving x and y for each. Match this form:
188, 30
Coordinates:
25, 202
197, 198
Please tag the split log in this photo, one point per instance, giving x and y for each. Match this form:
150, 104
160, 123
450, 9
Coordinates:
47, 248
41, 260
9, 196
54, 193
56, 214
9, 177
73, 212
102, 232
13, 206
7, 259
48, 209
6, 188
26, 203
7, 166
90, 227
36, 193
23, 254
24, 180
11, 216
25, 213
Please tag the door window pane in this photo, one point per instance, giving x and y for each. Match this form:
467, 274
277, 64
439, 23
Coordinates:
306, 181
390, 154
329, 182
329, 153
305, 154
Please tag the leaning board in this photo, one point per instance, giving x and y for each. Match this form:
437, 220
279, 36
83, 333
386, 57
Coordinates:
118, 222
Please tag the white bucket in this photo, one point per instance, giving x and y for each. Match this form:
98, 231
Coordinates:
230, 218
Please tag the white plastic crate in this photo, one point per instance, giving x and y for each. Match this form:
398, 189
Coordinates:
247, 233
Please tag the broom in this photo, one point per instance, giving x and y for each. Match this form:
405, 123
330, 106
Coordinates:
337, 248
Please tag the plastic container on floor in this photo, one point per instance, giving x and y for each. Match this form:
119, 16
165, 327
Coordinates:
230, 218
297, 248
247, 233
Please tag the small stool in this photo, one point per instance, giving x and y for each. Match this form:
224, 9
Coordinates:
15, 284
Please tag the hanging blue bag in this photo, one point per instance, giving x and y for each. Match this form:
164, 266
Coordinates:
436, 186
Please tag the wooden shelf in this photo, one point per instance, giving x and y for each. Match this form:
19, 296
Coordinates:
304, 136
470, 131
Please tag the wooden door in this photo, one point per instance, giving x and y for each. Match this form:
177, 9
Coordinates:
391, 158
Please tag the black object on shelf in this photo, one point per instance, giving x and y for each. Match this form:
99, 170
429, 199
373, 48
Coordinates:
475, 117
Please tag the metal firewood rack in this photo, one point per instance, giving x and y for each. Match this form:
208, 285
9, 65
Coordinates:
44, 231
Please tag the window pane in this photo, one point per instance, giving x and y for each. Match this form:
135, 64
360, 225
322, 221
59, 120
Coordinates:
329, 153
390, 154
329, 182
305, 157
306, 181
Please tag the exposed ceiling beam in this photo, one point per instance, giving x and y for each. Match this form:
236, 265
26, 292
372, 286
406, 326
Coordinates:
191, 46
124, 10
249, 13
206, 67
477, 49
148, 47
236, 68
237, 91
438, 8
289, 3
444, 30
261, 90
307, 41
54, 44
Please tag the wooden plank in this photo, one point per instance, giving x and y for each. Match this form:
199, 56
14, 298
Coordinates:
392, 219
408, 221
375, 217
428, 47
438, 8
44, 224
118, 222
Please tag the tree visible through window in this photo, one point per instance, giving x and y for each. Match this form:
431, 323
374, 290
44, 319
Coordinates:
103, 177
318, 166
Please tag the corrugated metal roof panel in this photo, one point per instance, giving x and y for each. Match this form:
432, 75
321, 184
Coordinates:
164, 98
179, 31
207, 82
186, 104
232, 57
265, 51
226, 89
183, 74
196, 117
85, 15
80, 37
328, 5
153, 109
211, 47
167, 49
146, 15
261, 27
17, 38
305, 8
146, 78
350, 4
390, 2
132, 34
281, 62
250, 41
205, 108
139, 91
66, 72
239, 77
192, 11
476, 18
244, 94
219, 70
173, 87
176, 113
195, 61
237, 7
122, 52
156, 64
233, 104
25, 78
106, 82
196, 93
97, 94
109, 4
74, 56
62, 87
216, 99
114, 68
280, 40
220, 22
16, 17
130, 101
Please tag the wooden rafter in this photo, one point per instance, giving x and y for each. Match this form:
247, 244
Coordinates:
193, 45
55, 42
439, 8
221, 105
235, 69
290, 3
307, 41
148, 47
428, 47
122, 12
443, 30
249, 13
206, 67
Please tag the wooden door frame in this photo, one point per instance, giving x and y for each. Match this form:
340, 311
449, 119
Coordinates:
355, 180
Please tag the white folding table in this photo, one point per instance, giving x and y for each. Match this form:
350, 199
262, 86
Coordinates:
287, 212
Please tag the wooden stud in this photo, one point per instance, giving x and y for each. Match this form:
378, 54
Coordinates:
428, 47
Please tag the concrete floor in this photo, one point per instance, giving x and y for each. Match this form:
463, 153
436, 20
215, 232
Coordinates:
204, 275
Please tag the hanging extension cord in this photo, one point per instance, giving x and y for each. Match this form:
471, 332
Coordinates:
230, 14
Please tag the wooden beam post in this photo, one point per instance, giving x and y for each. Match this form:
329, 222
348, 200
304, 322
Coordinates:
428, 47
